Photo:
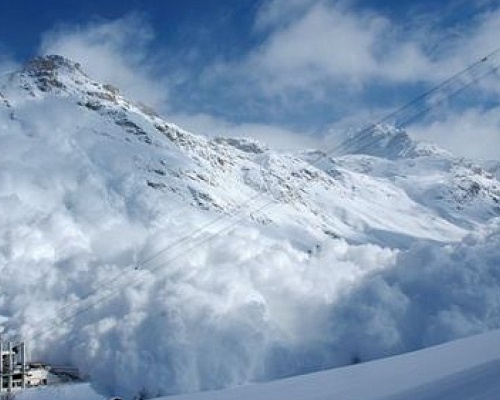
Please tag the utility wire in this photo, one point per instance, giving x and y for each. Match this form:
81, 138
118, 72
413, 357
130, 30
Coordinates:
411, 118
182, 240
199, 241
389, 117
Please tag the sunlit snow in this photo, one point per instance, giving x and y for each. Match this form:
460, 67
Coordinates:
154, 259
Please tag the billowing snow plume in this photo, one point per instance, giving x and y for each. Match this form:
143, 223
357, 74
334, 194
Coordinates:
434, 294
160, 261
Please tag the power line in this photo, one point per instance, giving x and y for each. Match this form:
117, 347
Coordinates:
419, 113
238, 220
408, 106
198, 241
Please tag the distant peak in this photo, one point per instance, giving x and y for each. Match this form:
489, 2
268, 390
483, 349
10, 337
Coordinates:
387, 141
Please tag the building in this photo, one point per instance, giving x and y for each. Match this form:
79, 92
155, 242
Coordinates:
17, 373
12, 366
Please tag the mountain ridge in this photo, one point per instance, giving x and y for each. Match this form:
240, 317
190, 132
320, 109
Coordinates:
60, 76
251, 250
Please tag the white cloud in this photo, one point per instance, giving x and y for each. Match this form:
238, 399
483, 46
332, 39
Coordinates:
311, 44
483, 37
473, 133
314, 52
323, 42
334, 51
113, 52
275, 136
278, 12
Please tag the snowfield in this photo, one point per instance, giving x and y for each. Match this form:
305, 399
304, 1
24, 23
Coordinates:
466, 369
162, 262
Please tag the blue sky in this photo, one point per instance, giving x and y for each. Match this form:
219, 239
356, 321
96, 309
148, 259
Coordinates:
289, 72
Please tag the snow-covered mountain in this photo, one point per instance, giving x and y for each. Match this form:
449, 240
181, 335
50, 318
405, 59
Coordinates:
154, 258
387, 141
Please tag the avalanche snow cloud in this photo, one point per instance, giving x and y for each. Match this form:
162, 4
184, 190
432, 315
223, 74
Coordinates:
129, 247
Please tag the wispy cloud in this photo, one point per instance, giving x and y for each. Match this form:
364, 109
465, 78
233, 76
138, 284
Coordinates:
334, 43
316, 63
317, 41
117, 52
273, 135
472, 133
7, 62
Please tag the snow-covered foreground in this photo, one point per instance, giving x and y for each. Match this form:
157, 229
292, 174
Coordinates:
79, 391
466, 369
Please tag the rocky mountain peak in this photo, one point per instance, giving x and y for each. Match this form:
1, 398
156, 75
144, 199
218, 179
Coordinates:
48, 71
51, 63
57, 75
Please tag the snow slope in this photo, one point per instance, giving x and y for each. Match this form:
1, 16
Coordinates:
160, 260
466, 369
